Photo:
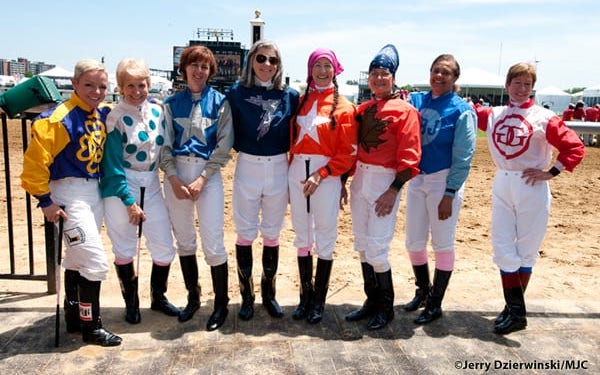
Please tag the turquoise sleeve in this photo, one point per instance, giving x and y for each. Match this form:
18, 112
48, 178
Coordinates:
113, 182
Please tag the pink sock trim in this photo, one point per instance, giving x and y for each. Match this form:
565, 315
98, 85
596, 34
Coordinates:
162, 264
271, 242
418, 258
123, 261
304, 251
444, 261
243, 242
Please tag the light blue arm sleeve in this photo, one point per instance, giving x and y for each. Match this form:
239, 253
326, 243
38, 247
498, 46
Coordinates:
463, 150
113, 182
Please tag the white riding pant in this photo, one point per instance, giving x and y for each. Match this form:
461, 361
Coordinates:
84, 251
209, 207
156, 228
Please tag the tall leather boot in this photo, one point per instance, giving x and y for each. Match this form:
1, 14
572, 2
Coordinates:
158, 288
89, 314
220, 281
305, 269
516, 319
370, 288
189, 268
524, 276
384, 311
129, 290
71, 301
243, 255
270, 260
423, 287
315, 314
433, 306
512, 286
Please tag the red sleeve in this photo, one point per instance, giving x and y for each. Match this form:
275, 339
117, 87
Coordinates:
566, 141
346, 138
483, 114
408, 152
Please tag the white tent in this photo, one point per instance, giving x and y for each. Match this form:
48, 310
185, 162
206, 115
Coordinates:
554, 97
479, 78
591, 95
61, 77
57, 72
7, 80
476, 83
472, 78
160, 84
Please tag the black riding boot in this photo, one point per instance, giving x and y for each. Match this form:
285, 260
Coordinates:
516, 319
129, 290
322, 275
189, 268
433, 306
370, 288
71, 301
243, 255
89, 314
270, 260
423, 287
385, 301
524, 276
158, 288
220, 281
305, 269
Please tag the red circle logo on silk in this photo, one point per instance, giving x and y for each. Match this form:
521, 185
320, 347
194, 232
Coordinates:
512, 136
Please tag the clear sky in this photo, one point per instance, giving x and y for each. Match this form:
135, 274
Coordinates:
562, 36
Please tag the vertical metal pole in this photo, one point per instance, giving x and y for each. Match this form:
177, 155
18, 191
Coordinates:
11, 244
28, 205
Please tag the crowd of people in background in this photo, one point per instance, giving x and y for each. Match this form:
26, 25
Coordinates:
579, 112
89, 162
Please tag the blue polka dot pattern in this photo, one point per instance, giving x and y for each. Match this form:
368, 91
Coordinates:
155, 112
130, 149
160, 140
143, 136
141, 156
127, 120
152, 125
126, 164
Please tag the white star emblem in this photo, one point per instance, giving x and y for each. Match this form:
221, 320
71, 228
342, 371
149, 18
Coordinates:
186, 124
309, 124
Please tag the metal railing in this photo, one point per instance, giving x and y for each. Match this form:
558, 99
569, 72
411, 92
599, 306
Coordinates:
8, 232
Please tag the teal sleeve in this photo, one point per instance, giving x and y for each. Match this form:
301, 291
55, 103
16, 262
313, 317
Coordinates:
113, 182
463, 149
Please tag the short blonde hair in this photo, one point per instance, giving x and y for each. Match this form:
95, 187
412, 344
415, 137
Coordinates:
132, 68
88, 65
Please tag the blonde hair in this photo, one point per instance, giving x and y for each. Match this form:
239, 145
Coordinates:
88, 65
132, 68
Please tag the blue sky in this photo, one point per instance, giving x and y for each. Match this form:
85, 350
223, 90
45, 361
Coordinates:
563, 36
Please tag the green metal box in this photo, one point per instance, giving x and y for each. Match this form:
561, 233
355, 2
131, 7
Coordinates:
36, 91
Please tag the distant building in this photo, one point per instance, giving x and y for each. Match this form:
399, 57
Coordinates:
21, 67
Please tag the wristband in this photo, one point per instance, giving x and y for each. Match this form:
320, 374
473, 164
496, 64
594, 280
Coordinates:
554, 171
450, 192
397, 184
44, 200
323, 172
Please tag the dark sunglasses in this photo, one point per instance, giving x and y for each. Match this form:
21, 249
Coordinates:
262, 58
